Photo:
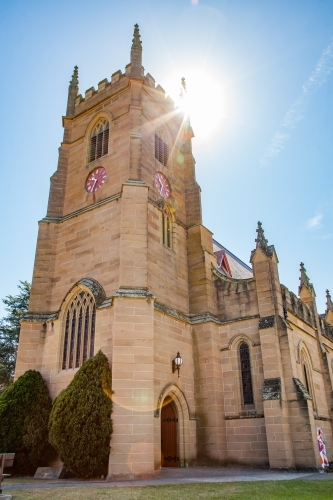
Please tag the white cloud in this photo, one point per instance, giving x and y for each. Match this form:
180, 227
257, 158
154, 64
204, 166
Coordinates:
327, 236
314, 222
297, 110
276, 145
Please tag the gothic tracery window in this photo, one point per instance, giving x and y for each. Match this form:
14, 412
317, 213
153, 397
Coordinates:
161, 149
99, 141
245, 365
79, 335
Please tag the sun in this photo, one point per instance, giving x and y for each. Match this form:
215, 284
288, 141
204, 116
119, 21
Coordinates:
205, 102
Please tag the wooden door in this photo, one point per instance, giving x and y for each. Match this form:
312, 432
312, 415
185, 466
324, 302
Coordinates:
169, 436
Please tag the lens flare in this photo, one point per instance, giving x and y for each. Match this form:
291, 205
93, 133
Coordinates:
204, 103
135, 399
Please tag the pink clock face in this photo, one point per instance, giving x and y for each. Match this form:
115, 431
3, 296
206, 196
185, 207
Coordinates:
96, 180
162, 185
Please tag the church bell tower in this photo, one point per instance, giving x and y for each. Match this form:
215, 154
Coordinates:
111, 257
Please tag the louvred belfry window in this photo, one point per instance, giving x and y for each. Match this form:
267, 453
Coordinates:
79, 335
99, 141
161, 150
245, 364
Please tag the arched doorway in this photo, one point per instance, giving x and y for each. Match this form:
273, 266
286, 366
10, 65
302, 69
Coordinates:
169, 434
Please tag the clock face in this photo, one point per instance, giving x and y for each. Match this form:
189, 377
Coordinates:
96, 179
162, 184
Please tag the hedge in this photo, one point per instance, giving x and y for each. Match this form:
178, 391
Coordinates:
80, 426
25, 407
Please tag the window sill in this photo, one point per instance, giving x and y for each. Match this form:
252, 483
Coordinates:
92, 164
169, 248
242, 417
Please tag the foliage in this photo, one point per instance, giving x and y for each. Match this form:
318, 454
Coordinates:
25, 407
80, 426
16, 306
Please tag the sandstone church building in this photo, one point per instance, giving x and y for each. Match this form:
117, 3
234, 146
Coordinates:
213, 362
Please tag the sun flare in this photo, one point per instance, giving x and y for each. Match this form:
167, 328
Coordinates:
204, 101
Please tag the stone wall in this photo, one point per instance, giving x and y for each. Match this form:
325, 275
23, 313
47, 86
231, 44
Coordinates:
158, 300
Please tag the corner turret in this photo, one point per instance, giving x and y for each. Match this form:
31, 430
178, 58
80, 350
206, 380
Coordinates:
187, 132
305, 290
73, 91
262, 243
304, 279
329, 308
186, 159
135, 67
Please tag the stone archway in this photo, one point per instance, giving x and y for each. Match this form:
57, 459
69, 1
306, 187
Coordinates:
169, 434
186, 424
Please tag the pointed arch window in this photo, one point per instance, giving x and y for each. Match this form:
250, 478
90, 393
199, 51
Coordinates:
99, 141
306, 373
161, 149
79, 337
167, 227
306, 379
245, 364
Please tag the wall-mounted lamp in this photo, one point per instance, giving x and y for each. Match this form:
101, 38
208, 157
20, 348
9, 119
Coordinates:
177, 363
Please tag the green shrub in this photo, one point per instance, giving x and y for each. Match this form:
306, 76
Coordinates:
80, 426
24, 412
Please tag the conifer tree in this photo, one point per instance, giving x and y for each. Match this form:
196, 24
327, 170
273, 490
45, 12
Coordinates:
25, 408
80, 426
16, 306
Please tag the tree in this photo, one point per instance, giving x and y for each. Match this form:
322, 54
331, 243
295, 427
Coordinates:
25, 408
80, 426
16, 306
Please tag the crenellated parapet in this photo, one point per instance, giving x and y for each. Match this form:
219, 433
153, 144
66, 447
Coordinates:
158, 94
297, 307
305, 313
326, 328
105, 90
119, 81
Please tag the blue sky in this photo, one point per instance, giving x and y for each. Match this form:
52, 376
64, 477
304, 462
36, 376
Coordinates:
265, 151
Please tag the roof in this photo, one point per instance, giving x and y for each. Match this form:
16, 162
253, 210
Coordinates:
230, 265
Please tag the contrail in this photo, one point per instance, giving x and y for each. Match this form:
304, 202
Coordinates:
297, 110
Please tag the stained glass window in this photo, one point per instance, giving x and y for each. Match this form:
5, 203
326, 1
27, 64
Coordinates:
79, 335
306, 380
244, 353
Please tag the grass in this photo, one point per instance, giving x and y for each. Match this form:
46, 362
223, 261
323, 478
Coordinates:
256, 490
